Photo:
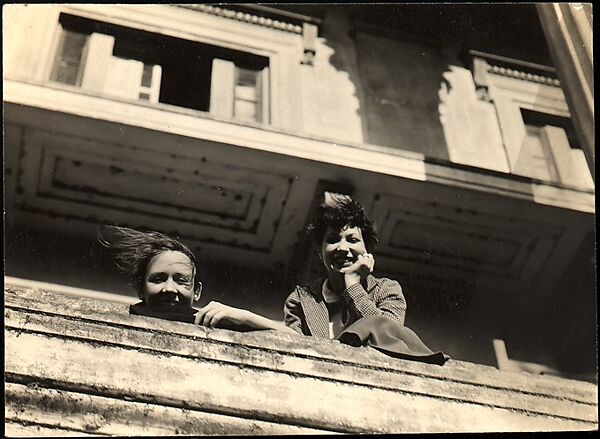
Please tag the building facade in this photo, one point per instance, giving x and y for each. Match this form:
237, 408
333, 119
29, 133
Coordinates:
224, 126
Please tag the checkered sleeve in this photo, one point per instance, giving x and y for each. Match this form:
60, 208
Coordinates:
385, 299
292, 312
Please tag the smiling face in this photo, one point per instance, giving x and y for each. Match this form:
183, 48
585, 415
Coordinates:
169, 282
341, 248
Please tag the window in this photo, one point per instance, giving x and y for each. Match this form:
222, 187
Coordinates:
551, 150
534, 119
238, 91
245, 95
534, 160
70, 58
150, 81
129, 63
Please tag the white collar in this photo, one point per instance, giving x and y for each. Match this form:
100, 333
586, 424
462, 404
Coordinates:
328, 295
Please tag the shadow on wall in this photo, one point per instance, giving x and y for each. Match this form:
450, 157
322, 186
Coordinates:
411, 88
400, 82
395, 83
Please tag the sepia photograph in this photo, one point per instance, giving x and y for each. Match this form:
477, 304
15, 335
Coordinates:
298, 218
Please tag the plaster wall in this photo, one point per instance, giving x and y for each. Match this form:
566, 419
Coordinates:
404, 94
331, 90
32, 30
401, 82
470, 124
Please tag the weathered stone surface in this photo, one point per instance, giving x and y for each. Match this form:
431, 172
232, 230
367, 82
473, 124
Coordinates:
82, 412
132, 374
286, 363
15, 429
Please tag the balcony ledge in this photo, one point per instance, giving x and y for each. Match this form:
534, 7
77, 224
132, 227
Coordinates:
83, 365
372, 158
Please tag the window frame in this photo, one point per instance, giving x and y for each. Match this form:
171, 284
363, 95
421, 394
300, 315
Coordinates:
261, 90
282, 49
514, 90
58, 52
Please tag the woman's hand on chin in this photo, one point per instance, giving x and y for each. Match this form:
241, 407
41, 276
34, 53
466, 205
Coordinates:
358, 271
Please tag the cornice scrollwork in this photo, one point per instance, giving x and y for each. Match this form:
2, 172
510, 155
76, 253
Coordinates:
244, 17
484, 64
531, 77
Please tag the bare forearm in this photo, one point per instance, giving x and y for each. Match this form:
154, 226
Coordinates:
218, 315
260, 322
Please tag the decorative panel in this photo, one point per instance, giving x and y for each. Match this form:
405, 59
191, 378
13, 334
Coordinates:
494, 252
77, 178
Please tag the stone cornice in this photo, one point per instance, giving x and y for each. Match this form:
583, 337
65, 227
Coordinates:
244, 17
484, 63
512, 73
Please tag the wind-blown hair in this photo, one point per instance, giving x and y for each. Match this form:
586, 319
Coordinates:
338, 211
133, 250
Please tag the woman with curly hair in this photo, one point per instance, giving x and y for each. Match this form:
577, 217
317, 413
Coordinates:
349, 303
344, 238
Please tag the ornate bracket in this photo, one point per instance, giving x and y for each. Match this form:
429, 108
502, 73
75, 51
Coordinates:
309, 42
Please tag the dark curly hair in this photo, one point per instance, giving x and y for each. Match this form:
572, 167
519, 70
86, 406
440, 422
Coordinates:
133, 250
339, 211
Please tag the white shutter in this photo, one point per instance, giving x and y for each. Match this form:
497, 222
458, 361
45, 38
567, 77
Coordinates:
124, 78
97, 60
152, 91
570, 163
222, 88
582, 168
155, 87
264, 96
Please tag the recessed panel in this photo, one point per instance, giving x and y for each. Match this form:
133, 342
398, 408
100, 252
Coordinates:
449, 243
202, 200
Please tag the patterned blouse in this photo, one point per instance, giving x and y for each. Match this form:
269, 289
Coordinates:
306, 312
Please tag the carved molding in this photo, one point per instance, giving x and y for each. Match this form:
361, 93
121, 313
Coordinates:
245, 17
483, 64
512, 73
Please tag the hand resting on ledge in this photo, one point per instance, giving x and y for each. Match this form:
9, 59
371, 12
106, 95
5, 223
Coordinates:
219, 315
